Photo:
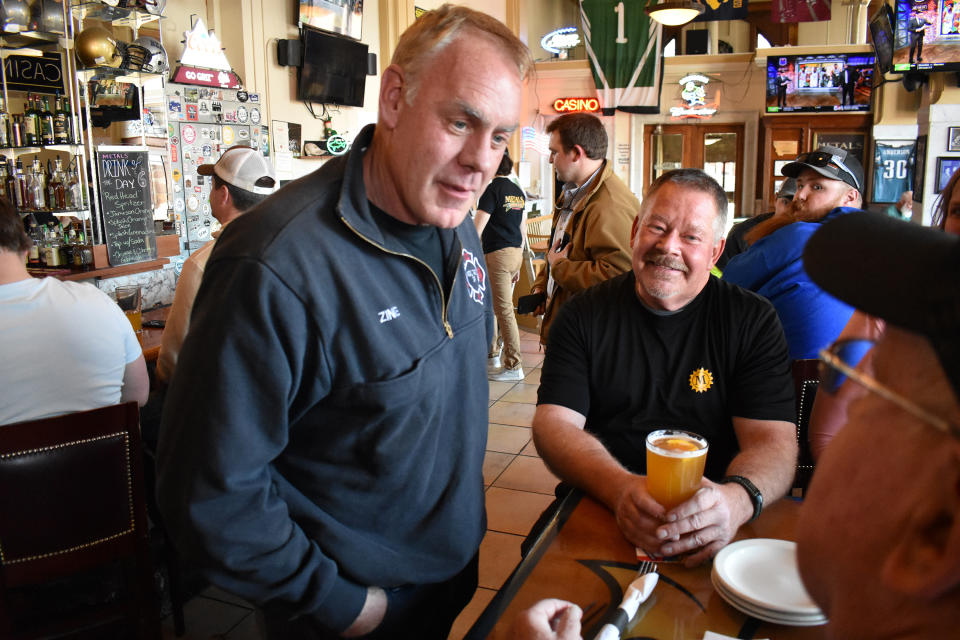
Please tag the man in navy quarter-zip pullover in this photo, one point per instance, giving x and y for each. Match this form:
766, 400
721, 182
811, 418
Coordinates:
322, 443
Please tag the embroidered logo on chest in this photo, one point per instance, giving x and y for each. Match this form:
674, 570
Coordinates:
476, 277
701, 380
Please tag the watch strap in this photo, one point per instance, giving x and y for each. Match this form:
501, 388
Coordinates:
755, 496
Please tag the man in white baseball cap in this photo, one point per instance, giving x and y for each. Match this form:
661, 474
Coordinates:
242, 177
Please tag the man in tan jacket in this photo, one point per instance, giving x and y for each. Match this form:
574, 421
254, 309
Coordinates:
595, 211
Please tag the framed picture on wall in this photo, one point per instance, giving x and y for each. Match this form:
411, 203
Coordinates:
919, 168
852, 142
946, 167
953, 138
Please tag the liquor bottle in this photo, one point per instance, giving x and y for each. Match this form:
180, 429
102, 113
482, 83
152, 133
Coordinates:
74, 194
10, 184
4, 125
61, 123
31, 123
82, 253
36, 193
72, 136
46, 122
36, 239
21, 189
57, 187
16, 131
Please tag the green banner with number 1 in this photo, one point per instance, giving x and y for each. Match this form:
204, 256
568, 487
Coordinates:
623, 45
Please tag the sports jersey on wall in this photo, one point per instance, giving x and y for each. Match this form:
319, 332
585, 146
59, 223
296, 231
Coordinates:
892, 170
623, 45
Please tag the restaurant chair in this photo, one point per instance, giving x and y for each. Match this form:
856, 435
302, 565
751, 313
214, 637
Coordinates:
538, 239
73, 519
806, 379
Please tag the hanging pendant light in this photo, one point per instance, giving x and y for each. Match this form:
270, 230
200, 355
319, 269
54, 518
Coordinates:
674, 12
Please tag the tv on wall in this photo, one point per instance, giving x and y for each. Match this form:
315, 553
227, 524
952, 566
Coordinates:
334, 69
932, 41
819, 83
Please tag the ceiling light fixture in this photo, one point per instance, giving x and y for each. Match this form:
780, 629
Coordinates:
674, 12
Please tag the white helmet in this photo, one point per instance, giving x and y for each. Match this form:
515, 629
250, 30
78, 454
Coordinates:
156, 61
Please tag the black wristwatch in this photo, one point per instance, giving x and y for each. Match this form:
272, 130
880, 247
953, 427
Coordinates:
755, 496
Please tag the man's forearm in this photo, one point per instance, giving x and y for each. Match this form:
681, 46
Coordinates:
580, 459
769, 460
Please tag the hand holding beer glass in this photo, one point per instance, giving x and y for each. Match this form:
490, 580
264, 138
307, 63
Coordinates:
675, 462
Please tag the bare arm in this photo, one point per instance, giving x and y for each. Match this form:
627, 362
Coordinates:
480, 220
136, 382
580, 459
370, 617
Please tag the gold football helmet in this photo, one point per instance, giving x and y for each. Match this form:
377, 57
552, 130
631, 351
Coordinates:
96, 47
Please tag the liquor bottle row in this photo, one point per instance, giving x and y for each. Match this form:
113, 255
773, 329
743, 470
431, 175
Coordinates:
36, 189
38, 125
53, 246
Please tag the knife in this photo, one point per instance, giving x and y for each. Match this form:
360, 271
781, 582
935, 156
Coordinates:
637, 593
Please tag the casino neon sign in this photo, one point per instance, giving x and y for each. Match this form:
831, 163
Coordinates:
568, 105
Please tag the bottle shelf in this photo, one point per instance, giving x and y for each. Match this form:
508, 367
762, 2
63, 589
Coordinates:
34, 39
56, 212
37, 148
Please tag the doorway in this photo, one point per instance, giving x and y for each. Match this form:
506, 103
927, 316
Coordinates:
717, 149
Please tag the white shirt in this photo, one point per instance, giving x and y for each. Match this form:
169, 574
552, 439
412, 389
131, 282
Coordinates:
64, 346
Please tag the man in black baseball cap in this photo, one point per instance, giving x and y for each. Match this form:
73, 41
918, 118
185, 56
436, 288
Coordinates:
884, 505
826, 178
829, 183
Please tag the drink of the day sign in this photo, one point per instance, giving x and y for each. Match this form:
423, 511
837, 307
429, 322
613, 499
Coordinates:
123, 174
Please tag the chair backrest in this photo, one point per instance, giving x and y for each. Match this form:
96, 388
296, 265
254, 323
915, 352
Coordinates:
71, 500
806, 379
538, 232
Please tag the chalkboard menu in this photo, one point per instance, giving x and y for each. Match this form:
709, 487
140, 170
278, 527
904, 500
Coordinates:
123, 174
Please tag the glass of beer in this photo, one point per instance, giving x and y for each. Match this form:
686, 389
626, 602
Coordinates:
675, 461
131, 302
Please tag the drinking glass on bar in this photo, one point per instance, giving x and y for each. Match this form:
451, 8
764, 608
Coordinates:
131, 302
675, 462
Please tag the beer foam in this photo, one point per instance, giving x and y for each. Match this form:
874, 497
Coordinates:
678, 447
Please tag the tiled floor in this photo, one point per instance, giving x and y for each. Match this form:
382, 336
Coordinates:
518, 485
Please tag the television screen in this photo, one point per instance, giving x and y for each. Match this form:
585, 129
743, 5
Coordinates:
881, 32
334, 69
825, 83
927, 36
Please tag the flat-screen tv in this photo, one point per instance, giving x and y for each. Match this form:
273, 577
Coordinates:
832, 83
881, 32
334, 69
932, 43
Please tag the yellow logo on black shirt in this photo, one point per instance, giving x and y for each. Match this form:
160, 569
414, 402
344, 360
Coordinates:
701, 380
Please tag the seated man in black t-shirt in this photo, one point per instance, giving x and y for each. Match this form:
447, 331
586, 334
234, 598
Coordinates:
666, 345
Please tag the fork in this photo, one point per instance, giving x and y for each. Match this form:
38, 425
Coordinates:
638, 591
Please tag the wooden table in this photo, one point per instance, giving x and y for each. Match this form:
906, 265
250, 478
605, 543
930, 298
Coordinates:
583, 558
150, 338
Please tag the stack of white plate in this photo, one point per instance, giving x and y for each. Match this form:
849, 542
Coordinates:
760, 578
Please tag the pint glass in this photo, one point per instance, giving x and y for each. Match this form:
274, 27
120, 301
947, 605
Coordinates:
675, 461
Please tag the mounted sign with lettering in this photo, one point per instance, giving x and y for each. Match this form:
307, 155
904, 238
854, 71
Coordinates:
207, 77
203, 61
693, 97
42, 74
567, 105
559, 41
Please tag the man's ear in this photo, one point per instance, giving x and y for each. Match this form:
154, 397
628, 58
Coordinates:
578, 153
718, 250
851, 198
925, 562
633, 230
391, 99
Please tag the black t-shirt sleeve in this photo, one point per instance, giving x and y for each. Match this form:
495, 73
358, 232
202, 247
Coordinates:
564, 379
764, 382
491, 196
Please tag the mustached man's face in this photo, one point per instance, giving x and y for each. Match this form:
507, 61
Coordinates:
674, 247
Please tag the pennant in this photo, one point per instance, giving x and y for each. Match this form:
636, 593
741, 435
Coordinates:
799, 11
